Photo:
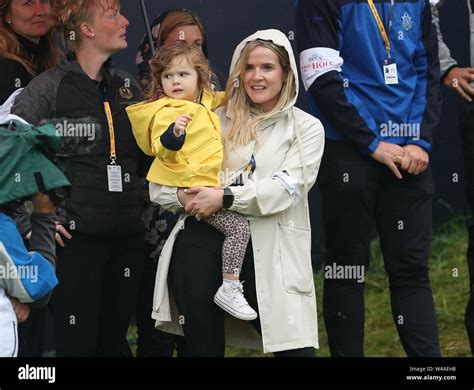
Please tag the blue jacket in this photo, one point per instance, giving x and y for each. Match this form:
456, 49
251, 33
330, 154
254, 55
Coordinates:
23, 275
342, 53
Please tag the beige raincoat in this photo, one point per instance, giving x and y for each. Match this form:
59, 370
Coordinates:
290, 141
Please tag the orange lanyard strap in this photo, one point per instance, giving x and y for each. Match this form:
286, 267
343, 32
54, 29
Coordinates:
108, 113
380, 24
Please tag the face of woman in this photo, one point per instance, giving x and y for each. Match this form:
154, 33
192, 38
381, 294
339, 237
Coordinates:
110, 31
30, 18
264, 78
189, 34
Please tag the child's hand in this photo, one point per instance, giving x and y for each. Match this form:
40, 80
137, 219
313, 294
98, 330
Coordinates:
179, 127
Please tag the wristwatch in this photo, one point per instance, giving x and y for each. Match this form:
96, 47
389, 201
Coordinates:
227, 198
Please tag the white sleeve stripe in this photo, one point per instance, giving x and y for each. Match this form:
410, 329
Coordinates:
317, 61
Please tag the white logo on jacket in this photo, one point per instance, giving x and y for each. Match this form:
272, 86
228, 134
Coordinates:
317, 61
407, 23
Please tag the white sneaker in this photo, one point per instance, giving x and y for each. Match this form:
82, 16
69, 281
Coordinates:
230, 297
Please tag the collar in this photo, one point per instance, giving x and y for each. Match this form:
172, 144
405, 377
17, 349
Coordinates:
35, 49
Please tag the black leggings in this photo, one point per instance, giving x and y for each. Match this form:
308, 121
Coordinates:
195, 275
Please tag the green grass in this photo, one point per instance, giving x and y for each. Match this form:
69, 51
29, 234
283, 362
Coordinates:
449, 281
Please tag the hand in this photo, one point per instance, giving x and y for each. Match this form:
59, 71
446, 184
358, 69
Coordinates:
22, 310
42, 204
459, 79
390, 155
207, 201
183, 197
61, 229
179, 127
416, 159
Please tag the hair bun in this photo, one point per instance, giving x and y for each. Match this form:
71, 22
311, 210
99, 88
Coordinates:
64, 13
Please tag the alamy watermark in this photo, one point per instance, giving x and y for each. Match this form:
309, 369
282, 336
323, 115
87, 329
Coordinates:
67, 129
345, 272
10, 271
407, 130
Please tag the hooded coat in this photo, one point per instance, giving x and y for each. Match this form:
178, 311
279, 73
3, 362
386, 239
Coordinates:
292, 141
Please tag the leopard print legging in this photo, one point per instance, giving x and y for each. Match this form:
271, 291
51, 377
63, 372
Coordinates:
236, 229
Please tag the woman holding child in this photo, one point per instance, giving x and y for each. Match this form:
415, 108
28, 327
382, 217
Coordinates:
272, 156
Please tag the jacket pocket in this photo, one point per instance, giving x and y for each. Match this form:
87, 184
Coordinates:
295, 255
204, 152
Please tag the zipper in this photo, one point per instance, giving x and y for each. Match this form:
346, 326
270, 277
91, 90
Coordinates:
15, 329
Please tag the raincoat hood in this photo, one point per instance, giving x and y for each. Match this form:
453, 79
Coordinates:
278, 38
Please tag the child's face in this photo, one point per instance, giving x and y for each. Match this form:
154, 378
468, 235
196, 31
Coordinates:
180, 81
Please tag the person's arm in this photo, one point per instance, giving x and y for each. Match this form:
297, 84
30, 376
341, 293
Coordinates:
426, 101
318, 35
172, 140
37, 284
166, 197
43, 233
36, 102
445, 59
452, 75
168, 132
268, 195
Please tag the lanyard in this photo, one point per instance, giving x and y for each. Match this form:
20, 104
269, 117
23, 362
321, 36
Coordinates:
108, 113
381, 25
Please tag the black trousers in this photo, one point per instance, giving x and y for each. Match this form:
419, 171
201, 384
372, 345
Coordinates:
466, 125
360, 196
195, 276
96, 295
152, 342
30, 334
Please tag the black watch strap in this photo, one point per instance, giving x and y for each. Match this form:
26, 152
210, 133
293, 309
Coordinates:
227, 198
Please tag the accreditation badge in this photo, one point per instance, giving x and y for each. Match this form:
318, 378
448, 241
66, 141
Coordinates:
390, 71
114, 176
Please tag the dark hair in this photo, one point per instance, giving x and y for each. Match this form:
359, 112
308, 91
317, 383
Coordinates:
161, 27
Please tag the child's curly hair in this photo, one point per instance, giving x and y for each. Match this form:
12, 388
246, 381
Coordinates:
164, 59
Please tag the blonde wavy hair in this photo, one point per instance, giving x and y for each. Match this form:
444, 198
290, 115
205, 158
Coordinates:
11, 49
246, 116
70, 14
166, 57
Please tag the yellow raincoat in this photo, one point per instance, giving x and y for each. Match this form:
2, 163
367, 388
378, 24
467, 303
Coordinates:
199, 162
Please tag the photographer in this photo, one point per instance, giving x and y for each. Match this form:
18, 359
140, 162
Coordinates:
26, 274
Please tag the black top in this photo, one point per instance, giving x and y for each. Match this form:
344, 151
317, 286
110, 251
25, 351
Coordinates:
13, 74
69, 99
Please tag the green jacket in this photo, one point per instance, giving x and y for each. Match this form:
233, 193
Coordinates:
24, 168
